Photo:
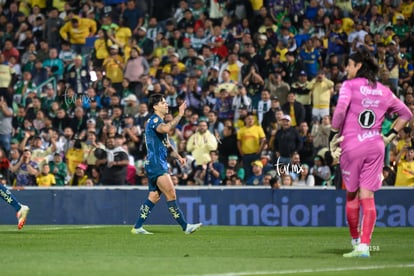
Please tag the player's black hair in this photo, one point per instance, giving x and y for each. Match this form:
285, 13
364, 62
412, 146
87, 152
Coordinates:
154, 99
369, 68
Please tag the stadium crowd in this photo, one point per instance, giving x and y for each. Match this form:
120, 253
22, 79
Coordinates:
260, 78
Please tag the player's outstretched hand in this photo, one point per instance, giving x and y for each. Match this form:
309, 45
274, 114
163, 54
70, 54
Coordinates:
334, 146
182, 108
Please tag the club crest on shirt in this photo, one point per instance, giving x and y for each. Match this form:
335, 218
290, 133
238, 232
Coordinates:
155, 120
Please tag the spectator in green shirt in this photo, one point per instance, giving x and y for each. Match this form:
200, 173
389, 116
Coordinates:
59, 169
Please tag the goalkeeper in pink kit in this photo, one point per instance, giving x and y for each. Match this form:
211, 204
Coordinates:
357, 141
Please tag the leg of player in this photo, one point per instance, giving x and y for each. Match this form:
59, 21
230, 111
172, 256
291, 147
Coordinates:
352, 216
369, 216
22, 210
144, 212
166, 186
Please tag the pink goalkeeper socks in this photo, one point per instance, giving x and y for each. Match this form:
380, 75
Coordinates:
369, 218
352, 215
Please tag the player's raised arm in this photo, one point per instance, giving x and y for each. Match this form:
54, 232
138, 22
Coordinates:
157, 167
166, 127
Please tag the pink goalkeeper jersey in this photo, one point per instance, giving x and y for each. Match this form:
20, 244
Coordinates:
361, 109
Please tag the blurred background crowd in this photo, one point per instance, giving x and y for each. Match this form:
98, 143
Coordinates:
260, 77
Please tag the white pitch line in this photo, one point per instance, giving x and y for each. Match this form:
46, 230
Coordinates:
319, 270
70, 227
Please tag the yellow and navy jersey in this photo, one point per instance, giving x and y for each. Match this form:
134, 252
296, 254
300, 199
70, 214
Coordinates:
156, 143
406, 69
310, 57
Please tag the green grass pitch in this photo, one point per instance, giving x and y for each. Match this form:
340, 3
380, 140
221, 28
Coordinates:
213, 250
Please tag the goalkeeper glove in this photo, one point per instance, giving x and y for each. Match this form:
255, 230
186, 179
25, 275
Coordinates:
334, 141
389, 136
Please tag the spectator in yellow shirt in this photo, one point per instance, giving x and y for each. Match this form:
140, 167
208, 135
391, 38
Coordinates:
76, 30
405, 169
122, 33
321, 90
74, 156
174, 60
114, 67
407, 8
201, 143
251, 140
45, 178
80, 177
101, 47
40, 3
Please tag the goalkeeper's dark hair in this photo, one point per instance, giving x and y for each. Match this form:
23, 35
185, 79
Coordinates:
369, 68
154, 99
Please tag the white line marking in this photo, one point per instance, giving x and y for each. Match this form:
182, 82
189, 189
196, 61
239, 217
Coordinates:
70, 227
336, 269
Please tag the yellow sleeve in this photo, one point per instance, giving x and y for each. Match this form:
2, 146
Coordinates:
48, 151
157, 52
261, 133
190, 143
92, 27
182, 67
65, 30
106, 61
330, 83
82, 182
239, 134
311, 84
127, 52
167, 69
212, 142
97, 43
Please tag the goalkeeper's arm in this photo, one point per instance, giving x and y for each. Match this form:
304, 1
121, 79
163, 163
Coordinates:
398, 125
391, 134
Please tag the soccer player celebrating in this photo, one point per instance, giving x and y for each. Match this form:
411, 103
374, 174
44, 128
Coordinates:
156, 165
358, 117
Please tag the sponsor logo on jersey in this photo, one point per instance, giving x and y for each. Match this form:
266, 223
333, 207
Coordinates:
366, 102
367, 134
368, 91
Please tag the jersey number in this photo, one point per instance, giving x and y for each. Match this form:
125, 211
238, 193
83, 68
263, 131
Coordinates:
366, 118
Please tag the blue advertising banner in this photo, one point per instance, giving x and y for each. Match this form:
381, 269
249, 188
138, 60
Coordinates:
211, 206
